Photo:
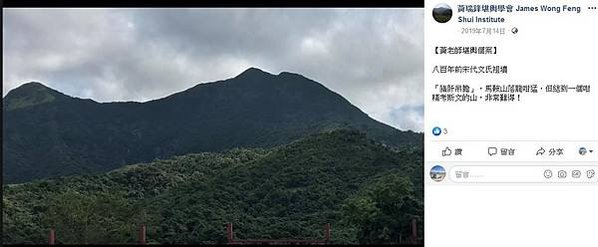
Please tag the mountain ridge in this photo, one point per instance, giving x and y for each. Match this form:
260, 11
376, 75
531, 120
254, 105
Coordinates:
40, 85
46, 138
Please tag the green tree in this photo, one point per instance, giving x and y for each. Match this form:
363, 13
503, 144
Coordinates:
98, 218
382, 212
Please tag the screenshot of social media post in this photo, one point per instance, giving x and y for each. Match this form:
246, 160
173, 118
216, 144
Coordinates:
511, 147
443, 123
213, 126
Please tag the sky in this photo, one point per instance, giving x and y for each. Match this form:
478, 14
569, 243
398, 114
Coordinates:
373, 57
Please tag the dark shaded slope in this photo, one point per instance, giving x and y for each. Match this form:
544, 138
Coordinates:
255, 109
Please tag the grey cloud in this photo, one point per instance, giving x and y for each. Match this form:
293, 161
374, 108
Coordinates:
410, 116
373, 57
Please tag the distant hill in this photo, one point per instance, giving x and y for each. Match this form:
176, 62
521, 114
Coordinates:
367, 191
47, 133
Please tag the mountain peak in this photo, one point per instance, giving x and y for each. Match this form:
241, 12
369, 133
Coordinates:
33, 85
30, 94
253, 72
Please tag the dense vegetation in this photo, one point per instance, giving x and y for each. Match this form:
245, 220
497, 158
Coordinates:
48, 134
366, 190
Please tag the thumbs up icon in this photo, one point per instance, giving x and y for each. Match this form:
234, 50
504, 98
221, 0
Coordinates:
447, 152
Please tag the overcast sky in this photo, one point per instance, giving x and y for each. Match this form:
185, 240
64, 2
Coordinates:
373, 57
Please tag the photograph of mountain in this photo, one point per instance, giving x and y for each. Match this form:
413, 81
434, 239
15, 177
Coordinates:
182, 122
442, 13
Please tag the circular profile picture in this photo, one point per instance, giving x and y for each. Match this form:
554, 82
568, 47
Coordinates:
437, 173
442, 13
583, 151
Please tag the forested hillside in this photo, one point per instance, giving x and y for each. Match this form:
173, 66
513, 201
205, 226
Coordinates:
368, 192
